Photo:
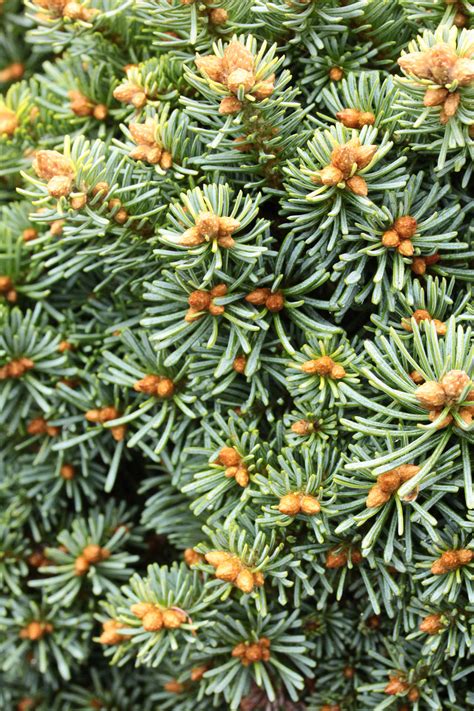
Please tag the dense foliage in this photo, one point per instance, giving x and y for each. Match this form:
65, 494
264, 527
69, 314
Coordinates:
235, 355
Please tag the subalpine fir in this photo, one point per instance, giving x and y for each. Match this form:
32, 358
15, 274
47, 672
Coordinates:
236, 357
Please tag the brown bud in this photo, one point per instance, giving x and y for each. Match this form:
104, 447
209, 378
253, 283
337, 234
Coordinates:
239, 364
406, 248
60, 186
431, 624
215, 558
228, 570
290, 504
463, 71
357, 185
377, 497
275, 302
207, 224
417, 377
244, 581
364, 155
173, 619
81, 565
140, 609
302, 427
330, 175
240, 78
229, 105
237, 56
218, 16
336, 558
212, 66
191, 557
67, 472
430, 395
173, 687
405, 226
453, 384
229, 457
78, 201
349, 117
310, 505
264, 89
242, 476
197, 673
152, 620
8, 122
50, 164
199, 300
166, 160
258, 297
92, 553
56, 228
435, 97
418, 266
336, 73
395, 686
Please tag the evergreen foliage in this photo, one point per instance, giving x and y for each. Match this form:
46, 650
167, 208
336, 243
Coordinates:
236, 355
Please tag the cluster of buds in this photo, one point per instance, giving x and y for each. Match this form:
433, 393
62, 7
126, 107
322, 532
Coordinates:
251, 652
339, 557
231, 569
235, 467
36, 630
157, 385
16, 368
388, 484
235, 70
352, 118
8, 122
129, 92
303, 428
325, 367
12, 72
295, 503
7, 289
192, 557
452, 560
67, 472
398, 685
346, 160
68, 8
110, 634
440, 65
57, 170
422, 315
91, 555
400, 234
148, 149
273, 301
39, 426
82, 106
154, 618
105, 414
210, 228
201, 301
432, 624
435, 396
420, 264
